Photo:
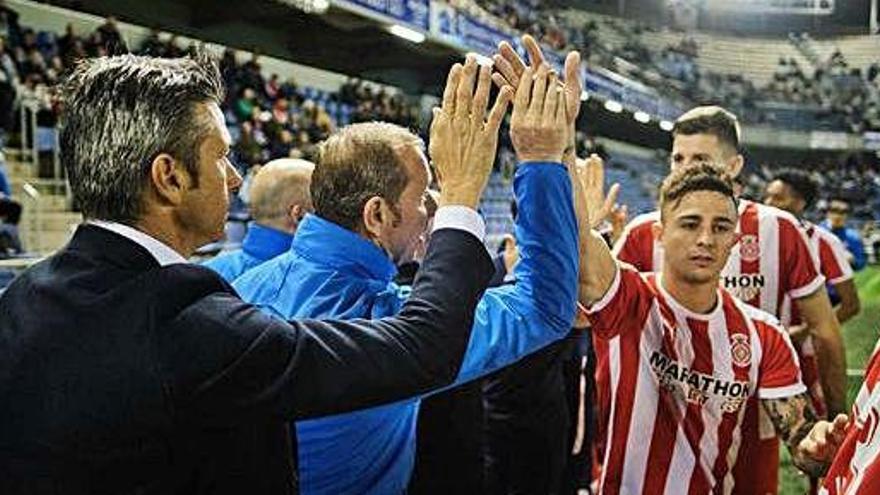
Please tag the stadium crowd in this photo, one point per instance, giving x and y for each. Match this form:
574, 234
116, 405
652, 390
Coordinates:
843, 97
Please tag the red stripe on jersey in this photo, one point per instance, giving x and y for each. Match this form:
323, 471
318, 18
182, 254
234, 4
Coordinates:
603, 394
693, 423
623, 408
828, 262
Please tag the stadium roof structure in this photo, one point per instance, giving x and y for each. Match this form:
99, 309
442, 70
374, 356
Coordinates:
341, 39
756, 17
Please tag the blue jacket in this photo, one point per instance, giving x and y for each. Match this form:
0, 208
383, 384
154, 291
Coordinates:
853, 242
331, 271
259, 245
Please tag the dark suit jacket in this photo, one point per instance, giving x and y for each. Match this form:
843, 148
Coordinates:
121, 376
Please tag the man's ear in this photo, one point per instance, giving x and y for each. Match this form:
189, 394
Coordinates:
169, 179
295, 215
736, 165
375, 217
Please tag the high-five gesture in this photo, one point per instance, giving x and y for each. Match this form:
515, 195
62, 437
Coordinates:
597, 265
538, 127
599, 205
464, 138
510, 68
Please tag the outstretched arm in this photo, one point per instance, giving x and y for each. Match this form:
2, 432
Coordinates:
514, 320
597, 266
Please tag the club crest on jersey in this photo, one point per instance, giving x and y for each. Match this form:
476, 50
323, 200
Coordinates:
740, 351
749, 249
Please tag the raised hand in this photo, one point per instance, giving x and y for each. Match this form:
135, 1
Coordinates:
599, 205
510, 68
538, 127
464, 138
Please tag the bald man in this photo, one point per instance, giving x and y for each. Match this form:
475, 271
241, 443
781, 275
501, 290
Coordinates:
279, 199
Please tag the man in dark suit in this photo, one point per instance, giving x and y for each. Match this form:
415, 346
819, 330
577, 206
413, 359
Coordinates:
125, 370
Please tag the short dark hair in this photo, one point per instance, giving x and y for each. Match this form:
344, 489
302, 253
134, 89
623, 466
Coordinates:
801, 183
703, 177
120, 113
355, 164
713, 120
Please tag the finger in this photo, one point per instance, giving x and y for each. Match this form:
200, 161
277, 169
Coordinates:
573, 84
595, 171
499, 80
481, 96
505, 71
513, 59
538, 91
452, 81
536, 56
839, 427
523, 92
611, 199
551, 98
496, 115
465, 93
561, 111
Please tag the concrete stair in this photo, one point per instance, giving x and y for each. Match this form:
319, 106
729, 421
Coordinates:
47, 220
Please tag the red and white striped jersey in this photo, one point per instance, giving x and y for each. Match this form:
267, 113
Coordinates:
772, 260
856, 467
679, 382
833, 256
833, 264
835, 267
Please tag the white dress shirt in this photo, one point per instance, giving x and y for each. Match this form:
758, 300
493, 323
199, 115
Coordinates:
163, 253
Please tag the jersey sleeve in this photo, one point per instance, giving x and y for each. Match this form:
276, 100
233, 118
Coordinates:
779, 374
636, 246
800, 264
624, 308
832, 260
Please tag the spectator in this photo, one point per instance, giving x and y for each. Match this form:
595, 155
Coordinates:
278, 200
838, 213
10, 214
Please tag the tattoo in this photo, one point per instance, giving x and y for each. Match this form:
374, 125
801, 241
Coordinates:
794, 418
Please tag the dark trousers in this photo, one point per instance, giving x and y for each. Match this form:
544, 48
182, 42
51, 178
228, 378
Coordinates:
528, 424
578, 467
449, 444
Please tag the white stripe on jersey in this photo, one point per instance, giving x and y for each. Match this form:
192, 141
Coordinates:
768, 235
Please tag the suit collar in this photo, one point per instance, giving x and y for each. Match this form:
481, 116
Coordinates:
163, 253
325, 242
112, 247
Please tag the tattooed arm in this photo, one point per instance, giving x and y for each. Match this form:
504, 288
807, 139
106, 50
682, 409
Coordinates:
812, 443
